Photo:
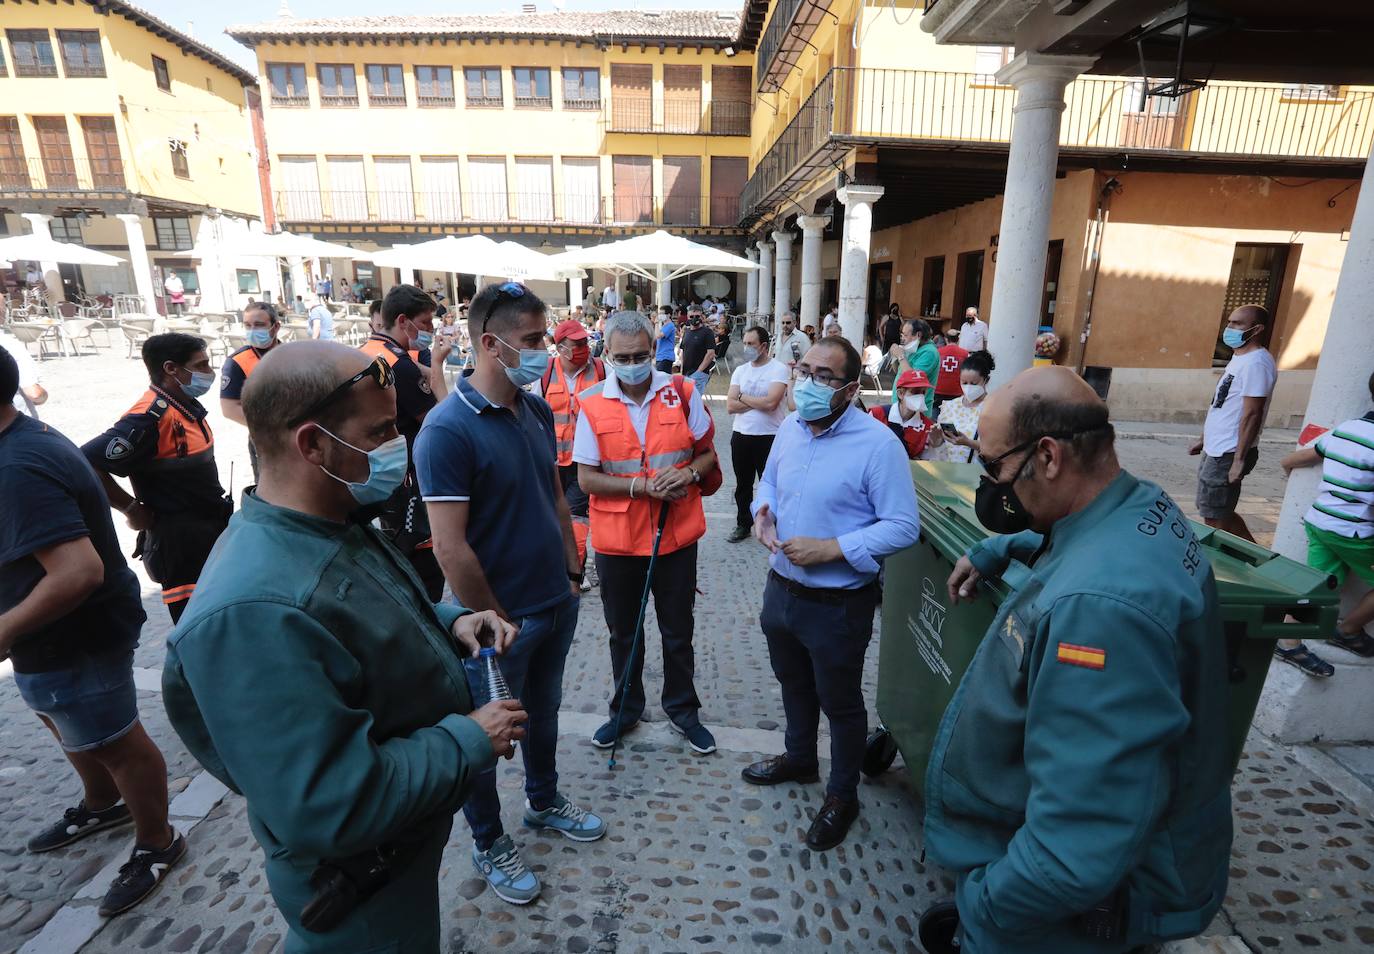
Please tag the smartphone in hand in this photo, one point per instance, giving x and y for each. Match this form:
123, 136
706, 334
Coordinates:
950, 430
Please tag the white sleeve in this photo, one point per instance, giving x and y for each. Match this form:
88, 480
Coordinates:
779, 373
585, 448
1257, 378
735, 375
28, 368
697, 418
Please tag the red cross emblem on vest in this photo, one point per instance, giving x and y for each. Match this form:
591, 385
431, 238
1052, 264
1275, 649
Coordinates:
669, 397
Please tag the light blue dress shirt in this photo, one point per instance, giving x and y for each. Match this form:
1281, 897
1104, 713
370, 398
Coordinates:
852, 482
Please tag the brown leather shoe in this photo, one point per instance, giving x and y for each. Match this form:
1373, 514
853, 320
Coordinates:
832, 823
776, 770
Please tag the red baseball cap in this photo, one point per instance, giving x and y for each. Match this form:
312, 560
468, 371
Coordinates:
913, 379
569, 329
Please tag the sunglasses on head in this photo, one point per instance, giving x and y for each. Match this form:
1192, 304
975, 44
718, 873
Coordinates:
378, 370
512, 290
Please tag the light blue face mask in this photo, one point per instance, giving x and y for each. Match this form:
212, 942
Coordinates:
1233, 338
260, 338
424, 339
813, 400
386, 465
201, 382
533, 363
633, 373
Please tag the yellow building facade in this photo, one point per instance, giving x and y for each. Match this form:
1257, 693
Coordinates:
1167, 213
124, 134
552, 128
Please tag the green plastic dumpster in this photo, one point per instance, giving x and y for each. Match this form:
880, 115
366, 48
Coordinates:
927, 644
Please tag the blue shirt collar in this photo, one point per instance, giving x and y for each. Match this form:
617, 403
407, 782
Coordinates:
478, 401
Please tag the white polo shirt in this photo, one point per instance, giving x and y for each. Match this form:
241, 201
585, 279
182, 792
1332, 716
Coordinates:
585, 448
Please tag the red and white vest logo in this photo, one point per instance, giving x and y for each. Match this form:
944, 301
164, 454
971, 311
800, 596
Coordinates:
669, 397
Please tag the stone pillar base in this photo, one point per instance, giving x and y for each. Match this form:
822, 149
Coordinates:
1295, 708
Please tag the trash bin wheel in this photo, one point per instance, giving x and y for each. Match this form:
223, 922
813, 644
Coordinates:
879, 752
938, 929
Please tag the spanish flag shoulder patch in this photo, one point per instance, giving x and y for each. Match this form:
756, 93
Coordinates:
1088, 657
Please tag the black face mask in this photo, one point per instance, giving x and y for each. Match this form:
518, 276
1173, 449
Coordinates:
999, 508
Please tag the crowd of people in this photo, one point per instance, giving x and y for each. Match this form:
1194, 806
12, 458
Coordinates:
1079, 784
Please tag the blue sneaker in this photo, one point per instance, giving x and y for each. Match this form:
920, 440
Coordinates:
702, 742
604, 737
567, 819
506, 871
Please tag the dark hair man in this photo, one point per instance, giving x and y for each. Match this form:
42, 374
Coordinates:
70, 616
1090, 729
827, 549
698, 350
637, 449
396, 331
1229, 444
163, 444
503, 536
572, 372
345, 730
757, 389
261, 325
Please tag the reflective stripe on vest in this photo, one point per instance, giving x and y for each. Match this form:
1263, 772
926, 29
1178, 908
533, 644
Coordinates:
664, 461
621, 468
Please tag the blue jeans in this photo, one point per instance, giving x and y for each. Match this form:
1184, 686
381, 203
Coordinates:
700, 379
533, 667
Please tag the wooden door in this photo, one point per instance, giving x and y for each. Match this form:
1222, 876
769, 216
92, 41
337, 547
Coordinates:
55, 146
728, 177
14, 168
682, 99
730, 100
632, 97
102, 149
681, 190
632, 178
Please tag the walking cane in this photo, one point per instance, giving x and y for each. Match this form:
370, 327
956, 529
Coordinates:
639, 629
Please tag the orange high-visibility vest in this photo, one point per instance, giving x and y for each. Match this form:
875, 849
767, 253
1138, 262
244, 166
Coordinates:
380, 346
247, 359
625, 527
565, 405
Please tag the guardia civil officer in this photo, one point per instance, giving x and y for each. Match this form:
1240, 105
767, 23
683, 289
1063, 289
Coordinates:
163, 444
1079, 785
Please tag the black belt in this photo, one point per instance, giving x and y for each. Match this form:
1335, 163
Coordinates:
820, 594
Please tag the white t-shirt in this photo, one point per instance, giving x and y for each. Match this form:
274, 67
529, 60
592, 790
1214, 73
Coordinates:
830, 319
755, 382
1247, 375
609, 298
28, 372
973, 335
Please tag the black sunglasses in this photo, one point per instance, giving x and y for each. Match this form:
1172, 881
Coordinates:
378, 370
988, 463
512, 290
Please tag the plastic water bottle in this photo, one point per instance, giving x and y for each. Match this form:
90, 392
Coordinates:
491, 675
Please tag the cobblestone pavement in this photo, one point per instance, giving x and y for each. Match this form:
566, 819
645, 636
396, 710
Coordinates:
696, 860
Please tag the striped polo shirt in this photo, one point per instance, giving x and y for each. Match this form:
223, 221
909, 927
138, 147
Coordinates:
1345, 504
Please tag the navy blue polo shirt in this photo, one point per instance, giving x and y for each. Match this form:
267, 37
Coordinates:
504, 466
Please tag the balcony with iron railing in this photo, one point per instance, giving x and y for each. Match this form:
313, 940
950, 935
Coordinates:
1103, 115
509, 207
714, 118
786, 34
61, 173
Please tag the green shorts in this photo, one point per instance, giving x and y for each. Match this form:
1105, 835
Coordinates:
1337, 555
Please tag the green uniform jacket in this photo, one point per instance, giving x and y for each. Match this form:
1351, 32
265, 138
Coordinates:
311, 675
925, 358
1085, 747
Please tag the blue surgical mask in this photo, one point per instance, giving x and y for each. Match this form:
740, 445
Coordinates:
260, 338
1233, 338
201, 382
813, 400
751, 354
386, 465
424, 339
633, 373
533, 363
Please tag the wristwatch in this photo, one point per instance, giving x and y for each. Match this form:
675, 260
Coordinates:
576, 577
696, 474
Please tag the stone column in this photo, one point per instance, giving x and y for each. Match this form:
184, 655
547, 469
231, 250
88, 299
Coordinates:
858, 233
574, 285
300, 283
766, 283
662, 285
782, 272
811, 282
751, 283
1019, 283
1295, 708
52, 276
138, 260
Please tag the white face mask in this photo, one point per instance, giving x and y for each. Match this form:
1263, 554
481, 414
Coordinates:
914, 402
912, 346
973, 392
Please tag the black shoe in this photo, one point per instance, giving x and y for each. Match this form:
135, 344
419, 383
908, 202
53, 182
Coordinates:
605, 736
832, 823
698, 737
738, 534
140, 876
1300, 657
778, 769
1361, 644
76, 824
